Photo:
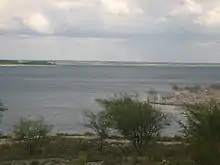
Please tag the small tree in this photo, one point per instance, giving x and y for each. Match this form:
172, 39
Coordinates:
202, 128
32, 132
99, 123
136, 121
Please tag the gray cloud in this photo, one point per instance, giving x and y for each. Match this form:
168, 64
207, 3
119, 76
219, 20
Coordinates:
151, 30
108, 16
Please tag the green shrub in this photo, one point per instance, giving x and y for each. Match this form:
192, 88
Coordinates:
202, 129
137, 121
33, 134
99, 123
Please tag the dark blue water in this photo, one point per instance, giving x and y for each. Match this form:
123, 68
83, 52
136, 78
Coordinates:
61, 93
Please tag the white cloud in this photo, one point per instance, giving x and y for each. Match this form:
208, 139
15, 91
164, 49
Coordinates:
193, 7
211, 18
114, 16
47, 16
71, 4
38, 22
3, 4
121, 7
147, 24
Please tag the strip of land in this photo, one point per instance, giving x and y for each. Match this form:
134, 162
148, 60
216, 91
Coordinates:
25, 62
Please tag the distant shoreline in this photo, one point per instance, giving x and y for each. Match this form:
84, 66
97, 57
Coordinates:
102, 63
108, 65
25, 63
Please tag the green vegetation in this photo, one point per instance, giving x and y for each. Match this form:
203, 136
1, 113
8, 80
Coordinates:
203, 132
78, 150
136, 121
28, 129
8, 62
36, 63
16, 62
136, 140
32, 132
100, 124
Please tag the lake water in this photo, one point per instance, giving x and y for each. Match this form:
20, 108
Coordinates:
61, 93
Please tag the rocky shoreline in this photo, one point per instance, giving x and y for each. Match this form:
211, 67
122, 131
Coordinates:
181, 96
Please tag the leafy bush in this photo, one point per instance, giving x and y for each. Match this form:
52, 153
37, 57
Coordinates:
203, 121
203, 131
137, 121
100, 124
32, 132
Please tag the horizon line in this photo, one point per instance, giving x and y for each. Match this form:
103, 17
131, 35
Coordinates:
115, 61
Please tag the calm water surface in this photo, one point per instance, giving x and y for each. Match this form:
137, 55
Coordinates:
61, 93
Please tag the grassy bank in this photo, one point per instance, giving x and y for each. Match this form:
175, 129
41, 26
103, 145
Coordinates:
79, 150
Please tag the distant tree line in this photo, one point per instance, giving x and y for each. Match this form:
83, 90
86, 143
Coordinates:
17, 62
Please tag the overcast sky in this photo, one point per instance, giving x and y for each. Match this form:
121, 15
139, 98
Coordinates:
139, 30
